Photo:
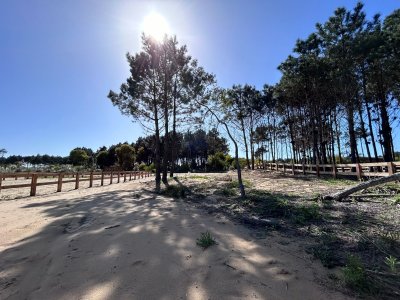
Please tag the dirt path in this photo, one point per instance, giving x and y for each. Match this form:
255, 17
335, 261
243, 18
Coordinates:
124, 242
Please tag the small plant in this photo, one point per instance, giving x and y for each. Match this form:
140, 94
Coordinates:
392, 263
176, 191
306, 213
235, 184
227, 192
205, 240
325, 251
396, 200
354, 274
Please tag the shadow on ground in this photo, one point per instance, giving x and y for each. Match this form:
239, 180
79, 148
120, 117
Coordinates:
134, 244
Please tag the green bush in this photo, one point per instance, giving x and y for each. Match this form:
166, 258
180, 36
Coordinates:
217, 162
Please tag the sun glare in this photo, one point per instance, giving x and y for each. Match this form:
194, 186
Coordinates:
156, 26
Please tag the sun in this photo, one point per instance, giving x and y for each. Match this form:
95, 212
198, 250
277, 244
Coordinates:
156, 26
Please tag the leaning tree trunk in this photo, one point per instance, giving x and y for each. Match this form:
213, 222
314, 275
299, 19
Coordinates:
362, 186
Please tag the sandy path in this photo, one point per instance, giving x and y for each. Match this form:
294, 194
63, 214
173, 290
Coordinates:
58, 247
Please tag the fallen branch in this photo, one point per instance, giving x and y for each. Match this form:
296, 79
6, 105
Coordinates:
370, 195
362, 186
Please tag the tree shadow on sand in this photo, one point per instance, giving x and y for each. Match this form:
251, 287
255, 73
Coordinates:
136, 244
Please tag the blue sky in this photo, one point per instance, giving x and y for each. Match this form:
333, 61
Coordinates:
59, 59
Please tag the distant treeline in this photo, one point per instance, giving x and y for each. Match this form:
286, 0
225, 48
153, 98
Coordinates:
196, 151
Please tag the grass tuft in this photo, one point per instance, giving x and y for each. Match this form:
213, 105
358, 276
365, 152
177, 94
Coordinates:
205, 240
176, 191
354, 275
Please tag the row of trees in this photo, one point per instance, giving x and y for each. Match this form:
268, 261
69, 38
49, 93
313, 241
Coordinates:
337, 100
193, 151
338, 96
340, 89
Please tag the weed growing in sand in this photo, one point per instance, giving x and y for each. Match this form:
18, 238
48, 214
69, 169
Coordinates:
392, 262
325, 250
354, 275
306, 213
333, 181
176, 191
396, 200
205, 240
235, 184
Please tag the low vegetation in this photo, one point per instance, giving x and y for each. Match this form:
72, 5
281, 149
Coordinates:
205, 240
359, 240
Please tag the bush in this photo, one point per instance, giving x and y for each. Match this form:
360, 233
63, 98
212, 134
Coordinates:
217, 162
242, 163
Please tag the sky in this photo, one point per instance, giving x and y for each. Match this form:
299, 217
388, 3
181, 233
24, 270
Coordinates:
59, 59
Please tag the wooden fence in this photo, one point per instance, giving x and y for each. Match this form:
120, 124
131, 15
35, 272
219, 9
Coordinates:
356, 170
66, 177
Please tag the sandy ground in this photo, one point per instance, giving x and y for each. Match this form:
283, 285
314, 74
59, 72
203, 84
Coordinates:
123, 242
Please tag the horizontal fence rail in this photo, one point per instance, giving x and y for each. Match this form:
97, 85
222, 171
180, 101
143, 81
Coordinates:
67, 177
380, 169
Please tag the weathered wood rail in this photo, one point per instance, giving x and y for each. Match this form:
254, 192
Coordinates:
66, 177
361, 170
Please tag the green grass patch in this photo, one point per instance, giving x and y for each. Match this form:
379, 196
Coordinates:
354, 276
337, 181
306, 213
176, 191
326, 250
234, 184
201, 177
205, 240
267, 204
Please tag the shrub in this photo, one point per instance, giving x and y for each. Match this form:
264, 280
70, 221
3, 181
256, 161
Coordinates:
217, 162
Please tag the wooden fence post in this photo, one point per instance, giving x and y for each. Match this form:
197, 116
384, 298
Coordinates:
293, 172
91, 179
359, 171
317, 169
1, 179
130, 175
304, 169
119, 175
59, 182
284, 168
124, 176
391, 168
334, 172
102, 178
111, 177
33, 184
77, 180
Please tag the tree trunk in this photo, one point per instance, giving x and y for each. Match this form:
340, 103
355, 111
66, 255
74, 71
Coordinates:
352, 134
338, 138
157, 161
386, 132
245, 143
362, 186
174, 142
364, 132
